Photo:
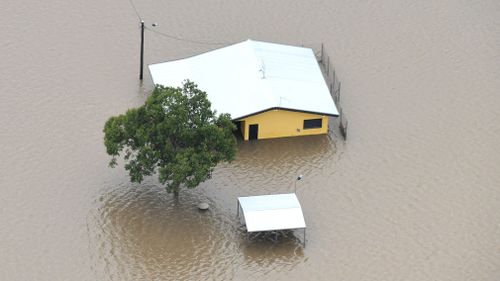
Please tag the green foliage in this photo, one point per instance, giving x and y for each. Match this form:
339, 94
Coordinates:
174, 134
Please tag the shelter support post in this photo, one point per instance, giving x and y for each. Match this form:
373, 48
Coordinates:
304, 237
237, 209
328, 67
322, 53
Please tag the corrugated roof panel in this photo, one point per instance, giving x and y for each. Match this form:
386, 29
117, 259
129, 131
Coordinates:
272, 212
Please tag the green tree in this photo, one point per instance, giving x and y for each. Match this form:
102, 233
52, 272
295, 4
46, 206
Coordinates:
174, 134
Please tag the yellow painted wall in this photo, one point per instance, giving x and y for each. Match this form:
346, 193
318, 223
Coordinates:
282, 123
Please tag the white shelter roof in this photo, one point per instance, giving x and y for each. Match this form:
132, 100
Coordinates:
272, 212
251, 77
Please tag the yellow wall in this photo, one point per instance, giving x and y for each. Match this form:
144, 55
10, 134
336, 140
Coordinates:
282, 123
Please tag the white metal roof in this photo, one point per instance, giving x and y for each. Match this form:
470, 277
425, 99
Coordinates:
272, 212
251, 77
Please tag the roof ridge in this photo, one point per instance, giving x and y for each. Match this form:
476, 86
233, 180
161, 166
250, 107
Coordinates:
274, 98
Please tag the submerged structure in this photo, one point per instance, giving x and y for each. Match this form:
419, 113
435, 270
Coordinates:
272, 212
271, 90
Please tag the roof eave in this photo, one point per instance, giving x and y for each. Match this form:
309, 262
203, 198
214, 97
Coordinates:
287, 109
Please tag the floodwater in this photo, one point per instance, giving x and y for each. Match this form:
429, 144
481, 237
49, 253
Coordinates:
413, 194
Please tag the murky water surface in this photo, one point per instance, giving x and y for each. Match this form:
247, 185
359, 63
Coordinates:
414, 194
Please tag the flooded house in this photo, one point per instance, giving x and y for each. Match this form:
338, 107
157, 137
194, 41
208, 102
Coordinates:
271, 90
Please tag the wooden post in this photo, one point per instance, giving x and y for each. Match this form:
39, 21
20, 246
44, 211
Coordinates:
237, 208
340, 84
345, 129
142, 51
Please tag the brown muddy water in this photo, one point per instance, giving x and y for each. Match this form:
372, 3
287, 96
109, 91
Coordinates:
414, 194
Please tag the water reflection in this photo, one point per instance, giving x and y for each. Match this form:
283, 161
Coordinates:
155, 235
271, 166
282, 151
271, 248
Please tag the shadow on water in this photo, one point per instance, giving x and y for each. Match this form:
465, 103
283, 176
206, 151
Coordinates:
141, 231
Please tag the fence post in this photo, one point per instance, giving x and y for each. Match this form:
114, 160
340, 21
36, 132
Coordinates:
340, 84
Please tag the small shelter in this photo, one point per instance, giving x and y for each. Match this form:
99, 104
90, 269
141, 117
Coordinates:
271, 90
272, 212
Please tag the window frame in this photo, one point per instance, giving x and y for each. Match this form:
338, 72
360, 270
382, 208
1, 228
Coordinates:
312, 124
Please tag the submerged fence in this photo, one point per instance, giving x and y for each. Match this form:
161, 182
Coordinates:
334, 85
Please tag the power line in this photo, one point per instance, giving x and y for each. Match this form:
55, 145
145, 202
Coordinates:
173, 36
186, 39
143, 28
135, 10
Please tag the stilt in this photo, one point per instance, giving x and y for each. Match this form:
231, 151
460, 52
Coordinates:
321, 53
237, 209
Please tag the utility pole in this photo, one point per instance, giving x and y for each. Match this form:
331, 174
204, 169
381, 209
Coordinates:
142, 51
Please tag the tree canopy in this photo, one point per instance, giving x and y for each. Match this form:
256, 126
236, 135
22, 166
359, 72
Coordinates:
174, 134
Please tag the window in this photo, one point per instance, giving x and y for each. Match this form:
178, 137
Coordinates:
313, 123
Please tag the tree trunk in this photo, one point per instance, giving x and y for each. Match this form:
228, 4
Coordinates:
176, 191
